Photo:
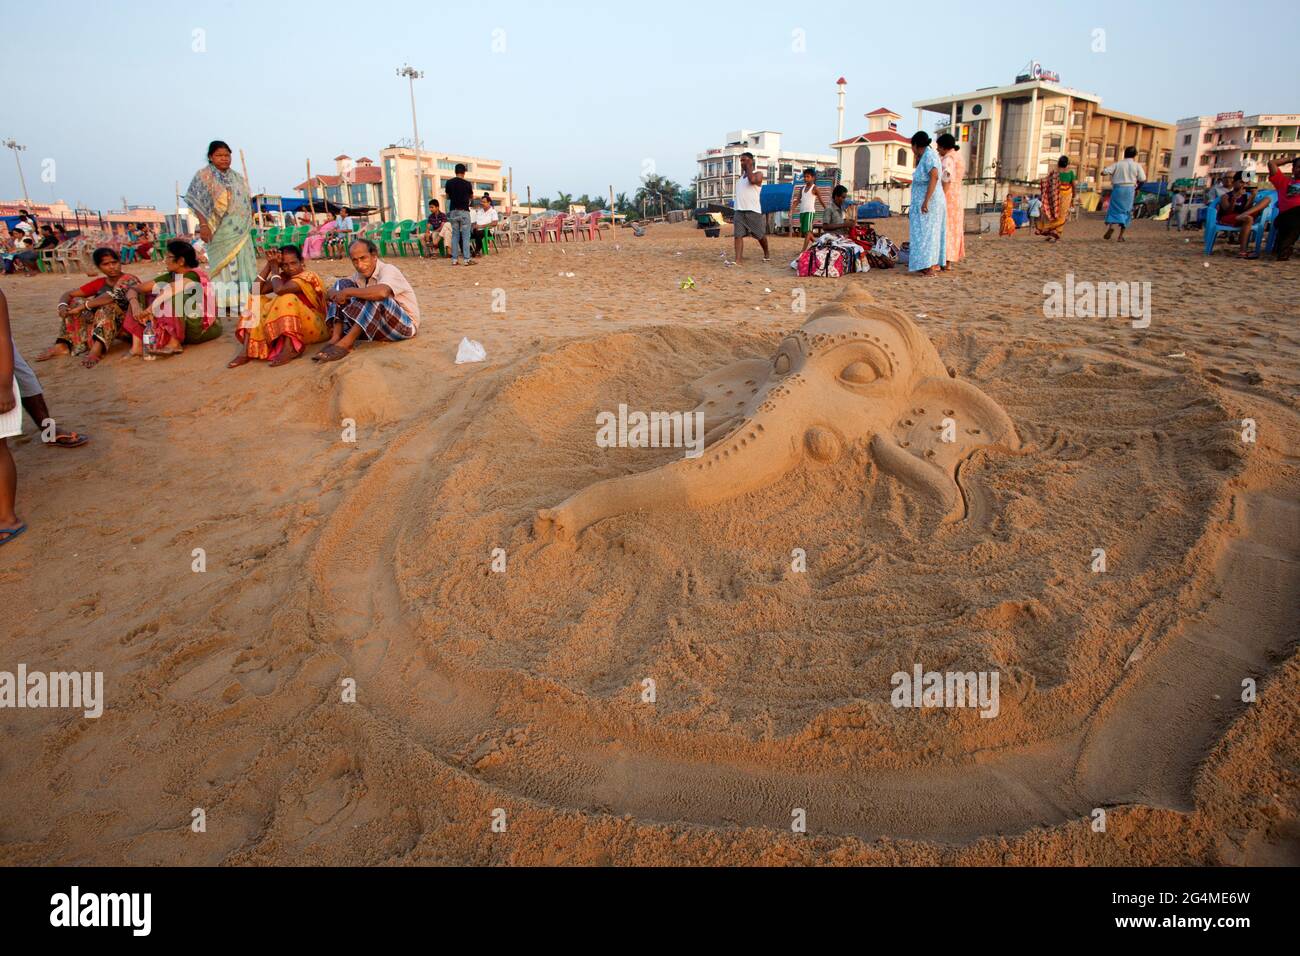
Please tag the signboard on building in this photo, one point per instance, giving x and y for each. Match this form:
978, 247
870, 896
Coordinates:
1224, 117
1035, 71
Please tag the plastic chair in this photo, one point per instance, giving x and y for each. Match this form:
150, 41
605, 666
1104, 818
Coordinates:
553, 227
1213, 227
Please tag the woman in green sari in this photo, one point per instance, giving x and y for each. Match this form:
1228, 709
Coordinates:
219, 197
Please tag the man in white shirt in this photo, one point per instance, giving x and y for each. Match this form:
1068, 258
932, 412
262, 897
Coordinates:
749, 208
1125, 178
482, 217
376, 302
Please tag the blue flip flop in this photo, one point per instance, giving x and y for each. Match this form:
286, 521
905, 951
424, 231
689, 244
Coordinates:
12, 532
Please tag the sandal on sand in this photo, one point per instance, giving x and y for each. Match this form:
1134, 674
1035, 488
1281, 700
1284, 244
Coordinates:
330, 353
69, 439
11, 533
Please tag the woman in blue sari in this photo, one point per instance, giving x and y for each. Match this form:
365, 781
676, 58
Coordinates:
928, 213
219, 197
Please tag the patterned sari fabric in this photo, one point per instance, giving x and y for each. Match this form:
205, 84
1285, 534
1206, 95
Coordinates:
184, 311
1058, 197
954, 171
296, 317
222, 199
103, 324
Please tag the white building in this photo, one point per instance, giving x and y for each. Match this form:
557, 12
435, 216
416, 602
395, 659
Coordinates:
718, 168
880, 156
1211, 147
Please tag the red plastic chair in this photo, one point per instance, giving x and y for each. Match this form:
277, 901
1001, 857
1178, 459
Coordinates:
554, 227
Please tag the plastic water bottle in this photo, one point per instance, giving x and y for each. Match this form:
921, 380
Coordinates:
148, 340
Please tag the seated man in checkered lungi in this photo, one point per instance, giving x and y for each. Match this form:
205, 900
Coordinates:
377, 303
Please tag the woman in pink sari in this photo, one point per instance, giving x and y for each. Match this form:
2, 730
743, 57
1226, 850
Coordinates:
954, 170
313, 245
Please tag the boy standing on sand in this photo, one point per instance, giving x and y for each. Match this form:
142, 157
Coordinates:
749, 208
809, 200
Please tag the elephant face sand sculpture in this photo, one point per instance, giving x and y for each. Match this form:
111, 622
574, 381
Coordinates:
857, 372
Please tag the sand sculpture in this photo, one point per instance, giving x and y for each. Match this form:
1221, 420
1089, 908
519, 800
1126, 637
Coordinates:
856, 372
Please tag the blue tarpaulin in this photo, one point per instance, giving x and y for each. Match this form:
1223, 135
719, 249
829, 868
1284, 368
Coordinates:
873, 210
776, 197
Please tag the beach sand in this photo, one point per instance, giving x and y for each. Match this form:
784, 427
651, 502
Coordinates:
518, 696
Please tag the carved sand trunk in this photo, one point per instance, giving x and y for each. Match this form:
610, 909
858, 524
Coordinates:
753, 455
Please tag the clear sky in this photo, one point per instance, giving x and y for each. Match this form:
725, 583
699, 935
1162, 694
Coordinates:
575, 96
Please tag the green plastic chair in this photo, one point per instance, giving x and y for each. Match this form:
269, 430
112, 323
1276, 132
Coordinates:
272, 238
384, 238
160, 246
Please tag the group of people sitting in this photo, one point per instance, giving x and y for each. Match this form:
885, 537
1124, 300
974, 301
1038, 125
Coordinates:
288, 310
21, 246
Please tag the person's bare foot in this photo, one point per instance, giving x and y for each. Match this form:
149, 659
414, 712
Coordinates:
1110, 231
286, 356
54, 351
91, 359
240, 359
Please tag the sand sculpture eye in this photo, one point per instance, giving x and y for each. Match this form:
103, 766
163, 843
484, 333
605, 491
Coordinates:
782, 364
860, 373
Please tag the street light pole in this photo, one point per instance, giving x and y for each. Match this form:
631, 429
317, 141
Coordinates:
412, 75
14, 145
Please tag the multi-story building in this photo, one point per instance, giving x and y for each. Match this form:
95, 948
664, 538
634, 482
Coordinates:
1210, 147
881, 155
718, 168
1017, 132
353, 183
397, 164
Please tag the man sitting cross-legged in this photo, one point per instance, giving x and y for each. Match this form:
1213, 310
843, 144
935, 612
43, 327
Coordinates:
376, 302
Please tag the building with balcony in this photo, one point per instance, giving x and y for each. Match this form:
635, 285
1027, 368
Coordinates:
1017, 132
397, 165
1211, 147
718, 168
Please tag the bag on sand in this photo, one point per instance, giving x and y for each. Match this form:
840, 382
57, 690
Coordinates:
470, 351
882, 254
830, 261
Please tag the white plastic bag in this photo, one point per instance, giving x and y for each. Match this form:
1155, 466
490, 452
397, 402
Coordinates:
470, 351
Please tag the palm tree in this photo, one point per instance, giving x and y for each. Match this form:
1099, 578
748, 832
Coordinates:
562, 202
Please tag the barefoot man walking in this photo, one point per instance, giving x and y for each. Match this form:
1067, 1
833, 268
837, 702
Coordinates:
749, 208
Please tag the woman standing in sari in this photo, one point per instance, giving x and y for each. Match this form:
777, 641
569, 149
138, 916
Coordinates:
954, 171
91, 316
927, 215
1058, 197
219, 197
287, 315
1008, 225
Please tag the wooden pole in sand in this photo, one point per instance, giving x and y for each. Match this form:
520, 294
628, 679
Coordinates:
247, 182
311, 194
530, 202
178, 208
510, 192
613, 215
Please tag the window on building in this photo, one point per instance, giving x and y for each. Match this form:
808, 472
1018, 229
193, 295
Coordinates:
1111, 152
1075, 147
358, 195
485, 187
729, 161
1052, 141
335, 193
1182, 162
1144, 157
1094, 151
1264, 135
1209, 138
1076, 119
902, 157
1204, 160
1166, 157
1054, 114
1187, 139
